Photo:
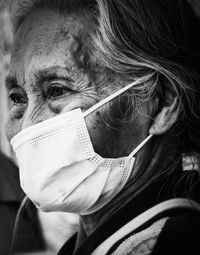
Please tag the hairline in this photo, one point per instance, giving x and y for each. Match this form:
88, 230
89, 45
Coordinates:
19, 9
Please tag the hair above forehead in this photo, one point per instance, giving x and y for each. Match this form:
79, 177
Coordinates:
19, 9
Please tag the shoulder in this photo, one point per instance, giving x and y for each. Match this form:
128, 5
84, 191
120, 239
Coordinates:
140, 242
180, 235
175, 234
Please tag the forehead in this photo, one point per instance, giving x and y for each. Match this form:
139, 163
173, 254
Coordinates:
45, 38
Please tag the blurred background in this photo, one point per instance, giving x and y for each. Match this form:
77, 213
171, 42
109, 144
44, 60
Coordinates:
5, 46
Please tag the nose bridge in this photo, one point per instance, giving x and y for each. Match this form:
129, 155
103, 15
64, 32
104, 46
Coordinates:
33, 115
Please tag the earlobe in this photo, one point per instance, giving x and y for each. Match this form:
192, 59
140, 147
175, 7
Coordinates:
165, 118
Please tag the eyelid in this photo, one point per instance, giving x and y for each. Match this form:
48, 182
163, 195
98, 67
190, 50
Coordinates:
16, 89
19, 92
64, 83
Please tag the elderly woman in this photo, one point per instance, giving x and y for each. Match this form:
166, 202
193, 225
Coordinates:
105, 120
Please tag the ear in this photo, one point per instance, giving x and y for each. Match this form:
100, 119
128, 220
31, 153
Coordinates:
167, 114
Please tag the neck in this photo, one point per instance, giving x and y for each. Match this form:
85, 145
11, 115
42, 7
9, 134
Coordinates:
145, 171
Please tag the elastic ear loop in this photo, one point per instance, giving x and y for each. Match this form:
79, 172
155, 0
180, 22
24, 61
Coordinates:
116, 94
111, 97
140, 146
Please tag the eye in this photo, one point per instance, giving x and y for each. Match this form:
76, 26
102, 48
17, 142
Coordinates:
17, 98
57, 90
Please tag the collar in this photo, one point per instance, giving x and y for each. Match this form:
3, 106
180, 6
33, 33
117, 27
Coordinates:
161, 189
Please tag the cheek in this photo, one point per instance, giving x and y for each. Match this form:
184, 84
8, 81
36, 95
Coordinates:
12, 127
94, 127
14, 121
102, 136
66, 104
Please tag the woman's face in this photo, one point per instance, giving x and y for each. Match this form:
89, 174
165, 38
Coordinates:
51, 72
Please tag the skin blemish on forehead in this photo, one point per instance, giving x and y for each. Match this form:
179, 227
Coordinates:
79, 43
76, 31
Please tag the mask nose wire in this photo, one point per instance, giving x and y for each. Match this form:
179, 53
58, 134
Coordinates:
114, 95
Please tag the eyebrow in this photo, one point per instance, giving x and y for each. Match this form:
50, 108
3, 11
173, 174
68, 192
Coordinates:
51, 73
40, 76
11, 82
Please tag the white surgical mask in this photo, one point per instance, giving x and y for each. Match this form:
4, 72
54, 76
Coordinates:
59, 169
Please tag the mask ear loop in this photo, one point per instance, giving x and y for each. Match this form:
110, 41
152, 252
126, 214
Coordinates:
140, 146
111, 97
116, 94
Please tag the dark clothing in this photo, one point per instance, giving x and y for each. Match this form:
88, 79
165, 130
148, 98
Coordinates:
162, 189
180, 235
28, 236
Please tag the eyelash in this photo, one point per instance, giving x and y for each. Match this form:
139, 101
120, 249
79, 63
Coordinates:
54, 91
58, 90
17, 98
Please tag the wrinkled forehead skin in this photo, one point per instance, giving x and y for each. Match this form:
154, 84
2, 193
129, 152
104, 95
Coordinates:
41, 34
